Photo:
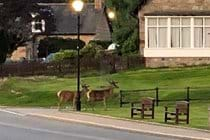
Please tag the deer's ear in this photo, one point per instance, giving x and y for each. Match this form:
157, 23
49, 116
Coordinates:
86, 85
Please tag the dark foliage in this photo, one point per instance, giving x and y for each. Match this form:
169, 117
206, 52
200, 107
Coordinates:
3, 47
125, 26
16, 20
103, 44
54, 44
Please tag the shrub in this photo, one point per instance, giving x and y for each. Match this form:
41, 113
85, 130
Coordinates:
103, 44
58, 56
92, 50
55, 44
64, 54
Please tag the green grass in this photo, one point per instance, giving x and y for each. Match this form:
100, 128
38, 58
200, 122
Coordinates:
41, 91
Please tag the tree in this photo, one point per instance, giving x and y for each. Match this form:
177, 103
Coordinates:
16, 20
4, 47
125, 25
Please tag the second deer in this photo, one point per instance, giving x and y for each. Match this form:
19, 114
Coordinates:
101, 94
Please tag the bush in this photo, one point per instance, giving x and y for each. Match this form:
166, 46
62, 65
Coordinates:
130, 46
92, 50
55, 44
64, 54
103, 44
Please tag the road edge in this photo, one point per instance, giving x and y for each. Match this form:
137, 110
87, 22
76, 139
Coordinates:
115, 127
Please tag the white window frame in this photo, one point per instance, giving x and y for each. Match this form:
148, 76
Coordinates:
192, 27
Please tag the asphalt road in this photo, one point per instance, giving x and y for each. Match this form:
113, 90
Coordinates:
18, 127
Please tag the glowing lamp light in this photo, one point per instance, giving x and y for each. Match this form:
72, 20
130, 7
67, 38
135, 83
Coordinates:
111, 15
78, 5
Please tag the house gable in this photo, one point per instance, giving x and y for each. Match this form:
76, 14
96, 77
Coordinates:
92, 20
94, 25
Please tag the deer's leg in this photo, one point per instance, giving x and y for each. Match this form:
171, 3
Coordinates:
68, 105
60, 104
92, 105
86, 104
105, 104
74, 104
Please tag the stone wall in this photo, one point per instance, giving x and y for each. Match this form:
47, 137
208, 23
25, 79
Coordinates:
153, 62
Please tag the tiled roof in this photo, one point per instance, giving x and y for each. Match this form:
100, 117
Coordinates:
92, 21
66, 19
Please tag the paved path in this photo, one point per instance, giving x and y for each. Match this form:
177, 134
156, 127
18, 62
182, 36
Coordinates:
15, 127
109, 122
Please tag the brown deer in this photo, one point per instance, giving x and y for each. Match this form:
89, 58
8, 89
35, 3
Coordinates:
65, 96
99, 95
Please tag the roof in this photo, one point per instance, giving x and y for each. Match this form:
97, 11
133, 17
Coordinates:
141, 3
170, 13
179, 13
92, 21
66, 19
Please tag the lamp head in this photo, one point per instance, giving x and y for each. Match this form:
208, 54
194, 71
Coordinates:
111, 14
78, 5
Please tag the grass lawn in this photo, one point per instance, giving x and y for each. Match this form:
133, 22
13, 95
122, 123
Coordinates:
41, 91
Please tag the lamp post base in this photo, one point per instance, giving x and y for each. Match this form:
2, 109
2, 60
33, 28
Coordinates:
78, 105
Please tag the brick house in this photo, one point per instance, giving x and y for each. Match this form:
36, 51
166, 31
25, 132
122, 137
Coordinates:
94, 25
174, 32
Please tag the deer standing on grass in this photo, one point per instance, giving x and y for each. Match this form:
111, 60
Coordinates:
65, 96
101, 94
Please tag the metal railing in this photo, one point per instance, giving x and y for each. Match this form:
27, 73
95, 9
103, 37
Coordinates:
165, 94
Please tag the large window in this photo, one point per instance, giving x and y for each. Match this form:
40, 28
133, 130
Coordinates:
177, 32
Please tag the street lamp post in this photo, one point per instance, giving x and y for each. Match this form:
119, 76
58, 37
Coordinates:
111, 15
78, 6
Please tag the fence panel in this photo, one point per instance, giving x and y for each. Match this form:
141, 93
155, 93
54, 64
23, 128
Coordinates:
166, 94
107, 64
127, 96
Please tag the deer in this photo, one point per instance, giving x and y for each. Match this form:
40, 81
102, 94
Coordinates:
65, 96
99, 95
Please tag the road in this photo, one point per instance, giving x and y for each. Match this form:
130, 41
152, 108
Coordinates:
20, 127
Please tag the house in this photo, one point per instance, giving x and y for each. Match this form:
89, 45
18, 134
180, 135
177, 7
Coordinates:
94, 25
174, 32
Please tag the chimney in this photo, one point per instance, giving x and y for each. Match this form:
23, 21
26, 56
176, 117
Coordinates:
99, 4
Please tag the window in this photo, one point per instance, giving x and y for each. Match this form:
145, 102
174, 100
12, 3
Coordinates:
185, 32
177, 32
162, 32
198, 32
207, 32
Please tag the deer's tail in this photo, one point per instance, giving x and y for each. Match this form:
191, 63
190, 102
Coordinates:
59, 93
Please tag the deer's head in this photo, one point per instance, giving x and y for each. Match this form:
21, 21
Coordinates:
85, 87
